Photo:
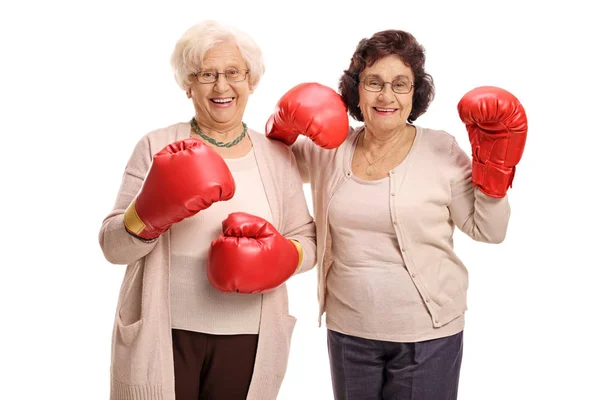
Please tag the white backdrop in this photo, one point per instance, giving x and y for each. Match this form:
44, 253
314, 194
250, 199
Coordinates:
82, 81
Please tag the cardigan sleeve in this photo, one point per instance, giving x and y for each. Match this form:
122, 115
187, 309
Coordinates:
311, 157
118, 246
483, 218
301, 148
298, 224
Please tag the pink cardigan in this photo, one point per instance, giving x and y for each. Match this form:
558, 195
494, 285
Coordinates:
142, 357
427, 201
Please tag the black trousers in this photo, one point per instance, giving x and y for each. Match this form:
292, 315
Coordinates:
209, 367
364, 369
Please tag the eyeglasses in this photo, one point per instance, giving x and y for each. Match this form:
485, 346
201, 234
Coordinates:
376, 84
212, 76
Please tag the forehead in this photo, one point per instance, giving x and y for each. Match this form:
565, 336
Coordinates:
389, 67
223, 54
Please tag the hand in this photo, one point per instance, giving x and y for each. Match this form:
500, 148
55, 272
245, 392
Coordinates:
312, 110
185, 177
497, 126
251, 256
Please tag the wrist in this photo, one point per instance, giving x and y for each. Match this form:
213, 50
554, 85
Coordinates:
131, 219
135, 226
492, 179
300, 252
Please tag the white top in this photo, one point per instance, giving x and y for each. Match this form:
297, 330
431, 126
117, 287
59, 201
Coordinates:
195, 304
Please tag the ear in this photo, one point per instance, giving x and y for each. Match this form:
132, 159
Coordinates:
249, 85
188, 93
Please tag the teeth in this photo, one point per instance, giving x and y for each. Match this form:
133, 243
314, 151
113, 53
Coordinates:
227, 100
384, 109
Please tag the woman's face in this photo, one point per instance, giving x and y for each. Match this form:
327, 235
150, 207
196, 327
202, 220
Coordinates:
220, 105
387, 110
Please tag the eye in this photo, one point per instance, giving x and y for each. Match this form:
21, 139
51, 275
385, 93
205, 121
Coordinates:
232, 73
207, 74
373, 82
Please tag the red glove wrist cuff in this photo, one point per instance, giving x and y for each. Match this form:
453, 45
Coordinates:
493, 180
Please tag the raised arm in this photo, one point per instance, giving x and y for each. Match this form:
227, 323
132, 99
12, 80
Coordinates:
497, 126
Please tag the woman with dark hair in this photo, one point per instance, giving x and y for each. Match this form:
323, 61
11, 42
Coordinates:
387, 197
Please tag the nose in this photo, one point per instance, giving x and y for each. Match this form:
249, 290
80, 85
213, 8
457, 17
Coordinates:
386, 93
221, 85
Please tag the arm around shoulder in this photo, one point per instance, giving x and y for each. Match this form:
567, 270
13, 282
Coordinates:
300, 148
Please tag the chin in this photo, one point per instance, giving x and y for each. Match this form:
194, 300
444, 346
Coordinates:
222, 118
389, 126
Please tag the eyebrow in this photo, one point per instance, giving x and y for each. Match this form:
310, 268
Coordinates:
396, 77
205, 68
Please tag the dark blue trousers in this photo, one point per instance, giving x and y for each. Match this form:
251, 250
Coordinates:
364, 369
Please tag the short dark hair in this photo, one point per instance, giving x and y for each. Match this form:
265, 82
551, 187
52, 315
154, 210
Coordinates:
382, 44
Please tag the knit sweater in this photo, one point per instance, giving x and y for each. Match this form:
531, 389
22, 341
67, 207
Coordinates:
431, 196
142, 353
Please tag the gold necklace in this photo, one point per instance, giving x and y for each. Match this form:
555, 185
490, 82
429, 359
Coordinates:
369, 170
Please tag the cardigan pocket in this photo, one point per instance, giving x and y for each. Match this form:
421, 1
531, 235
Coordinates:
130, 341
130, 297
287, 327
126, 334
125, 342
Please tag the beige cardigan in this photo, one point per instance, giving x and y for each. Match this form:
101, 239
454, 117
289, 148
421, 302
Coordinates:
142, 357
431, 197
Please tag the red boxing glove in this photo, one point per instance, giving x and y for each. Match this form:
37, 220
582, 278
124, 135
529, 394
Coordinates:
313, 110
250, 256
185, 177
497, 126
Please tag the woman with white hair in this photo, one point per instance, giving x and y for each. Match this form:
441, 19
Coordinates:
211, 219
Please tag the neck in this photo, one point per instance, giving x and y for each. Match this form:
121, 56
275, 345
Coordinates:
382, 140
225, 133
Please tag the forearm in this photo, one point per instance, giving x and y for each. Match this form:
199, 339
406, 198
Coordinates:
487, 218
118, 245
307, 252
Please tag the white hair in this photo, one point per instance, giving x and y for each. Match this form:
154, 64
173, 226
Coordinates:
197, 40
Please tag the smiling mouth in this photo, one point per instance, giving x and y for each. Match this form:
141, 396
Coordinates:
224, 100
384, 110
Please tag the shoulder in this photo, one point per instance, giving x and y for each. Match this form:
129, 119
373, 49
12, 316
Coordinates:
157, 139
437, 141
325, 154
436, 136
154, 141
275, 149
353, 132
259, 139
444, 148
